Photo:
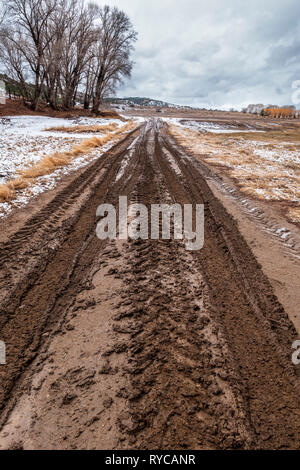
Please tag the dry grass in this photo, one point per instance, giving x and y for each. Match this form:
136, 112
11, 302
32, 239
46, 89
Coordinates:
85, 129
265, 168
50, 163
288, 134
294, 214
6, 193
110, 114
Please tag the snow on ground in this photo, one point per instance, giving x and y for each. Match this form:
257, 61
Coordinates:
47, 182
202, 126
124, 164
19, 151
268, 170
279, 155
172, 161
35, 126
24, 141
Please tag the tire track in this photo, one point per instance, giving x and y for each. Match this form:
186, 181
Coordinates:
258, 331
200, 340
35, 303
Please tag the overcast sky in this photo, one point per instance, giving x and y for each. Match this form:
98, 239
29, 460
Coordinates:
214, 52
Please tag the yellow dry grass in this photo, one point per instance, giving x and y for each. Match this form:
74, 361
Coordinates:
50, 163
6, 193
85, 129
294, 214
262, 165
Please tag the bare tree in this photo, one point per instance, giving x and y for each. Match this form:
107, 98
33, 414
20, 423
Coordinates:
64, 46
28, 23
53, 53
116, 37
78, 39
89, 82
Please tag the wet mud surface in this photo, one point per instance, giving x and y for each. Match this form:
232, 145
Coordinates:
141, 344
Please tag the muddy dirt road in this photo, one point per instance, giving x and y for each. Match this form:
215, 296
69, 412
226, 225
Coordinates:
141, 344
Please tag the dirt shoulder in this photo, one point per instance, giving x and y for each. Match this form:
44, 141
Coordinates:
274, 241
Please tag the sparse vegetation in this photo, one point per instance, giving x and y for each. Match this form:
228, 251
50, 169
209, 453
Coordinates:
50, 163
265, 166
85, 129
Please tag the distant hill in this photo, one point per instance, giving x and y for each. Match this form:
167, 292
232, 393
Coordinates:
12, 88
138, 101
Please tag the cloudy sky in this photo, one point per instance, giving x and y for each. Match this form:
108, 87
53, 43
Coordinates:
220, 53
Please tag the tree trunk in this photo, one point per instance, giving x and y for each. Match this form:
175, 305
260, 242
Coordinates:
35, 102
86, 103
37, 91
67, 100
96, 104
97, 95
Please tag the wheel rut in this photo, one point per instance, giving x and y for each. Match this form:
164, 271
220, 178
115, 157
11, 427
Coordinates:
198, 347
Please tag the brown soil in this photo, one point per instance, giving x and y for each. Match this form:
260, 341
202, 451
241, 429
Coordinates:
17, 108
141, 344
232, 119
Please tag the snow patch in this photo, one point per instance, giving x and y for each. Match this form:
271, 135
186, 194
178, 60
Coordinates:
124, 164
23, 142
172, 162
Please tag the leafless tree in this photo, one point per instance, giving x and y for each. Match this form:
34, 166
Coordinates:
116, 37
78, 39
53, 53
89, 82
29, 20
65, 46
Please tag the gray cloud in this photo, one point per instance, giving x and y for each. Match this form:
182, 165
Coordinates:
218, 52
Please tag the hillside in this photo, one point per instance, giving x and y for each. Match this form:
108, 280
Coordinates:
13, 88
138, 101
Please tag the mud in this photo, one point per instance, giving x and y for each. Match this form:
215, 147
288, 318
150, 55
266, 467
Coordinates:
142, 344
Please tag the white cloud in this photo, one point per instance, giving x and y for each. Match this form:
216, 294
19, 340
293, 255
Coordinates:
216, 52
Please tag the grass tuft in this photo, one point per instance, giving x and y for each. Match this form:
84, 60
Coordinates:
6, 193
84, 129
